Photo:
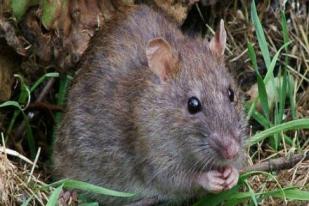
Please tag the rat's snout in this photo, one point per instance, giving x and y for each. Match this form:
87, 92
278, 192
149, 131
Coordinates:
230, 152
227, 147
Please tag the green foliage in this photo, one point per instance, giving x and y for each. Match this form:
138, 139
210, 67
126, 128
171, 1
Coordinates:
13, 104
260, 34
49, 9
19, 7
21, 104
234, 196
64, 83
90, 204
53, 199
272, 119
291, 125
74, 184
272, 91
217, 199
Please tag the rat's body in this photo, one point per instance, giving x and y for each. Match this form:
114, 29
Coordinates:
127, 126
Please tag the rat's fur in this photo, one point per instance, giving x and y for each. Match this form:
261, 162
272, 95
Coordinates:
126, 130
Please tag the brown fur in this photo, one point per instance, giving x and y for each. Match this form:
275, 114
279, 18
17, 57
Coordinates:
124, 129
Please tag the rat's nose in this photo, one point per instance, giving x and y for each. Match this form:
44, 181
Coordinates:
230, 152
225, 146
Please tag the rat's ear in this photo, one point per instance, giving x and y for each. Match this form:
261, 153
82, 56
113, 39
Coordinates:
160, 58
218, 42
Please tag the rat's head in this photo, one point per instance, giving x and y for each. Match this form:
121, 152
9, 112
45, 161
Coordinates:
197, 104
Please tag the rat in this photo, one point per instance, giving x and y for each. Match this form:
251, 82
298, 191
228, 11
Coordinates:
152, 112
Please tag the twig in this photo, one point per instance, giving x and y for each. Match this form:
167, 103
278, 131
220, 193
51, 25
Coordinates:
34, 164
45, 90
277, 164
14, 153
45, 105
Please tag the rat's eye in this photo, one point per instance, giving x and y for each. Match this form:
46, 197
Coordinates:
231, 94
194, 105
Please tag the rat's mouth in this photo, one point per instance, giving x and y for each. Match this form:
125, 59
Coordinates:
218, 165
209, 155
211, 160
222, 163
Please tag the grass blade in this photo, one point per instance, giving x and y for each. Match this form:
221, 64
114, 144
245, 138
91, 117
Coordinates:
261, 86
252, 55
29, 134
25, 93
263, 95
261, 119
283, 91
292, 96
289, 193
284, 30
75, 184
11, 103
217, 199
294, 124
22, 99
270, 70
43, 78
260, 35
64, 84
293, 194
282, 97
30, 138
53, 199
90, 204
251, 193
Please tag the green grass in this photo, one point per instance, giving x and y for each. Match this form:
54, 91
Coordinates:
291, 125
282, 85
21, 104
236, 196
64, 83
74, 184
272, 119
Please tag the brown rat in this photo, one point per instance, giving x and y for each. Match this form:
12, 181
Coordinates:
152, 112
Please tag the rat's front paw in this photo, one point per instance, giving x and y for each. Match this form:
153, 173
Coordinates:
212, 181
217, 181
231, 175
